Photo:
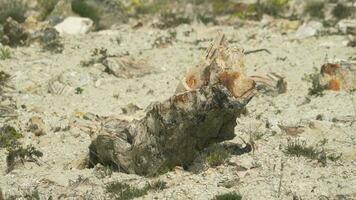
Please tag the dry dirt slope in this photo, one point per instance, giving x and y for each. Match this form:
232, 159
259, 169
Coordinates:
266, 173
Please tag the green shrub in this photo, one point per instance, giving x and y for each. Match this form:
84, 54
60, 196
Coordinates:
18, 154
122, 191
270, 7
341, 11
171, 20
228, 196
315, 9
316, 88
46, 7
298, 148
8, 136
12, 8
5, 53
85, 10
217, 155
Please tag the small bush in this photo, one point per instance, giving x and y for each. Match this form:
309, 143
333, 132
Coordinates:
158, 185
46, 7
14, 9
270, 7
82, 8
98, 56
79, 90
341, 11
228, 196
18, 154
4, 78
217, 155
5, 53
171, 20
8, 136
124, 191
298, 148
316, 89
315, 9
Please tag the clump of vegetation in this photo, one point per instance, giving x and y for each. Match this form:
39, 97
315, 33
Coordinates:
8, 136
158, 185
14, 9
221, 7
171, 20
5, 53
228, 196
98, 56
84, 9
142, 7
46, 7
270, 7
315, 9
79, 90
316, 88
341, 11
18, 154
124, 191
299, 148
217, 155
4, 78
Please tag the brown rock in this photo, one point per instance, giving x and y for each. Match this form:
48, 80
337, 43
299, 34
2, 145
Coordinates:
37, 126
338, 76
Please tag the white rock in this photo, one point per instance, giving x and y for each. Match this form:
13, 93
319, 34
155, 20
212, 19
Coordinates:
309, 29
347, 26
74, 25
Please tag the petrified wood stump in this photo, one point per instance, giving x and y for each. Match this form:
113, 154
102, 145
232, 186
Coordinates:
172, 132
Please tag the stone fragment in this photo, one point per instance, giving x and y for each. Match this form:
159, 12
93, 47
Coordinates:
74, 25
37, 126
127, 67
338, 76
347, 26
309, 29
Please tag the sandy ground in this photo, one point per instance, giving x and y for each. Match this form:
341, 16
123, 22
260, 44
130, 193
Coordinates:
266, 173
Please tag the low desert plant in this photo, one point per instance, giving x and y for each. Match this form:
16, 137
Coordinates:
315, 9
171, 20
4, 79
18, 154
299, 148
228, 196
270, 7
14, 9
158, 185
79, 90
5, 53
316, 88
341, 11
46, 7
98, 56
84, 9
124, 191
217, 155
8, 136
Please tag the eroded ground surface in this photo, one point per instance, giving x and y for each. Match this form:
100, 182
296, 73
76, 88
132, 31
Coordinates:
265, 173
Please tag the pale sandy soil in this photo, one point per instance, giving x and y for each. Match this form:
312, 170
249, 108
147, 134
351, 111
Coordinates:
266, 173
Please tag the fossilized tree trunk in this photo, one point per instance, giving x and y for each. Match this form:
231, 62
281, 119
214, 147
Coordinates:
172, 132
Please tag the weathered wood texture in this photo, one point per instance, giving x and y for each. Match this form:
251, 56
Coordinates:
172, 132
